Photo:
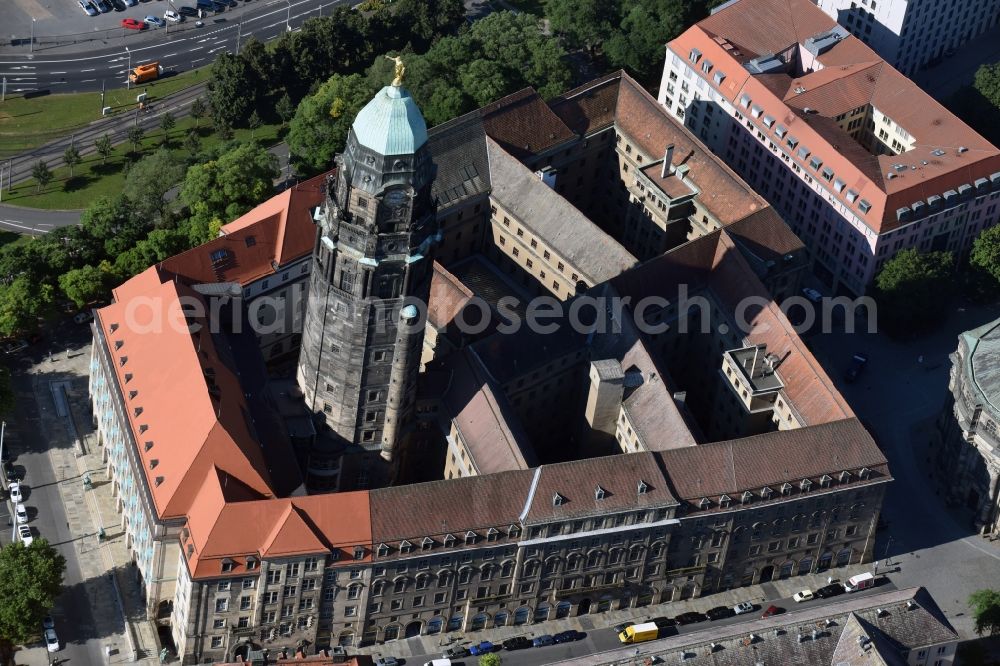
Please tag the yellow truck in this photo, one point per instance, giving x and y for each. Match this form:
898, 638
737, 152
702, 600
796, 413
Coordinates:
639, 633
149, 71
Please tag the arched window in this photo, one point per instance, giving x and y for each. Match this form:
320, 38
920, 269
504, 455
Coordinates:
378, 587
399, 585
507, 569
487, 572
354, 591
530, 568
594, 558
422, 581
551, 565
757, 529
797, 522
616, 556
445, 578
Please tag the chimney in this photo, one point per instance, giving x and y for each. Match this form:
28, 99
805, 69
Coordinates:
668, 157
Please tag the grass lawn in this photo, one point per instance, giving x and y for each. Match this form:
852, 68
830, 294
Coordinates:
92, 179
29, 123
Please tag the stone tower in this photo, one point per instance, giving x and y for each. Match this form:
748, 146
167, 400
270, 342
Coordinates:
371, 278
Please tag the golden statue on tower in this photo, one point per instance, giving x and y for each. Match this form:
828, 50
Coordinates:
400, 70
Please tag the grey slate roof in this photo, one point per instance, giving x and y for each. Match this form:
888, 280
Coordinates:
552, 218
983, 362
458, 149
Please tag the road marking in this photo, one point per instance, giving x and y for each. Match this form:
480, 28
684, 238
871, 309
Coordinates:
9, 223
88, 81
58, 72
92, 69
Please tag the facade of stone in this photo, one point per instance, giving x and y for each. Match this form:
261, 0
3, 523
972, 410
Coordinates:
968, 446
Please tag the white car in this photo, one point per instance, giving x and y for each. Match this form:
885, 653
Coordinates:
15, 492
48, 622
743, 607
51, 640
24, 532
153, 22
22, 514
802, 595
172, 16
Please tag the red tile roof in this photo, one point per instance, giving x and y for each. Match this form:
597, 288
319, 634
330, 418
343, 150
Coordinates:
523, 124
273, 234
848, 73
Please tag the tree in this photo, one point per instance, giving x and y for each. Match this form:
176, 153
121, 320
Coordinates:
42, 175
583, 23
254, 124
135, 134
84, 285
71, 156
114, 224
167, 123
321, 123
192, 142
490, 659
911, 288
985, 253
985, 605
232, 89
104, 147
221, 190
428, 20
148, 181
284, 108
22, 302
224, 130
198, 110
987, 83
30, 580
645, 26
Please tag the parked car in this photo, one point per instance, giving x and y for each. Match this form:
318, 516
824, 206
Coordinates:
482, 648
690, 617
743, 607
15, 346
154, 21
456, 652
51, 640
619, 628
22, 514
831, 590
543, 640
172, 16
118, 5
568, 636
858, 363
517, 643
386, 661
103, 5
10, 471
24, 532
15, 493
802, 595
720, 613
772, 610
218, 6
48, 622
812, 294
88, 8
131, 3
187, 11
83, 317
133, 24
663, 622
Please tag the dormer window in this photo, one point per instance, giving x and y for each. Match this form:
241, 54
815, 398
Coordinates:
513, 531
747, 497
470, 538
148, 445
706, 66
805, 484
845, 476
864, 473
643, 488
704, 503
599, 493
694, 55
219, 256
725, 500
825, 480
405, 547
153, 463
492, 535
382, 550
158, 481
786, 488
427, 543
228, 565
449, 540
719, 78
766, 492
252, 563
557, 500
359, 552
769, 121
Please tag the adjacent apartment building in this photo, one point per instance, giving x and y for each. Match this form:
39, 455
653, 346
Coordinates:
909, 34
857, 159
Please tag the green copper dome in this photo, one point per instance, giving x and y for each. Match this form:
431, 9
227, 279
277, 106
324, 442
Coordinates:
391, 124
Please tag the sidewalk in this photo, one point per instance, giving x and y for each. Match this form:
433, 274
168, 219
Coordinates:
62, 383
759, 594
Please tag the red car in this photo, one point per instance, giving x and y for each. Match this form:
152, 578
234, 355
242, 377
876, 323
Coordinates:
773, 610
133, 24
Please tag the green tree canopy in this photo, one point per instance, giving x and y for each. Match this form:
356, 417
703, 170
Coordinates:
985, 253
71, 156
225, 188
104, 147
85, 285
490, 659
583, 23
646, 25
987, 82
22, 302
42, 174
985, 606
319, 128
232, 90
148, 181
30, 579
911, 289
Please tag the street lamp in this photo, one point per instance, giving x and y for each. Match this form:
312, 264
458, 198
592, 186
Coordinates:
288, 17
128, 69
31, 44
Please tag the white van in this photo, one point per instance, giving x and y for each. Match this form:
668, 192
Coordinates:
438, 662
860, 582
